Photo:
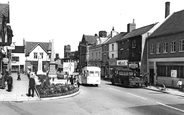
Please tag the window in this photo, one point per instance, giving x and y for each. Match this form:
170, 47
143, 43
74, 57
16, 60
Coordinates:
15, 59
134, 44
152, 49
173, 47
41, 55
35, 55
92, 56
96, 55
165, 47
181, 45
99, 55
112, 55
158, 48
112, 47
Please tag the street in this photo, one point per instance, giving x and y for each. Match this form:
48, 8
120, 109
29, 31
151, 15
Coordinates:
106, 99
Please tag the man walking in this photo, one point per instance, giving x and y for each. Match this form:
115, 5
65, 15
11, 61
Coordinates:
31, 85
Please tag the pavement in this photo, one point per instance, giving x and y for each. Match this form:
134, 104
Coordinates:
167, 90
19, 91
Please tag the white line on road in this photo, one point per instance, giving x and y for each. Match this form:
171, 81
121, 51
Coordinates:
170, 107
115, 89
137, 96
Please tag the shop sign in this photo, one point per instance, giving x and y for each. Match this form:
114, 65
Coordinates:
122, 62
173, 73
5, 60
133, 65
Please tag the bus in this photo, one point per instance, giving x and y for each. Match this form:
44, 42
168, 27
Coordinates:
126, 77
91, 75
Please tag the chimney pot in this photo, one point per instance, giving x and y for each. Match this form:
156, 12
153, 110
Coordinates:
167, 9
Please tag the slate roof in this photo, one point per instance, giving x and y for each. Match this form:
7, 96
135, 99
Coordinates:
138, 31
18, 49
30, 46
116, 38
90, 39
4, 9
174, 24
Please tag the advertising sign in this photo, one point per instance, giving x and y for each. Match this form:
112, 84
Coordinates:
173, 73
122, 62
68, 67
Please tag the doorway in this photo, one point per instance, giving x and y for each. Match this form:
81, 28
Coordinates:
151, 80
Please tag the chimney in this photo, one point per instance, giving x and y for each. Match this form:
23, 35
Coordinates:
167, 9
131, 26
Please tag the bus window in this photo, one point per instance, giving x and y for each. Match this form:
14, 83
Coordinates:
91, 73
97, 73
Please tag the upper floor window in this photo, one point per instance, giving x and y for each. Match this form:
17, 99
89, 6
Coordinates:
181, 45
99, 55
41, 55
165, 47
105, 48
35, 55
112, 55
15, 59
152, 49
112, 47
173, 46
96, 55
134, 44
158, 48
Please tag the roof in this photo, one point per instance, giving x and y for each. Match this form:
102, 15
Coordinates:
4, 9
116, 38
90, 39
174, 24
18, 49
139, 31
32, 45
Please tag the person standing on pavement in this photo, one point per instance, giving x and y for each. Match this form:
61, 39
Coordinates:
31, 85
18, 74
179, 84
9, 83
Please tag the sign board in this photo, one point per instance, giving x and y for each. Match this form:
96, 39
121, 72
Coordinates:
68, 67
5, 60
133, 65
122, 62
173, 73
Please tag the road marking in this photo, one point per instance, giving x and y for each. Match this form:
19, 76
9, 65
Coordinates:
170, 107
137, 96
115, 89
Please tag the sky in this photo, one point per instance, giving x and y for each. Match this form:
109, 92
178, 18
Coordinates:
65, 21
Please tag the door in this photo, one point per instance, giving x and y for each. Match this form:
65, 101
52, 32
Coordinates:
151, 80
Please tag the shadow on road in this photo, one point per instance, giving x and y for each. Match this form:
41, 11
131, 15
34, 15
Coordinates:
119, 85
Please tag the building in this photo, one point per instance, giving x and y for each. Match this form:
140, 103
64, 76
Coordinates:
67, 50
35, 51
6, 35
83, 48
166, 51
18, 59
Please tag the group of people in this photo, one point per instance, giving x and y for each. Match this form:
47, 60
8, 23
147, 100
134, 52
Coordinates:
6, 78
32, 84
73, 79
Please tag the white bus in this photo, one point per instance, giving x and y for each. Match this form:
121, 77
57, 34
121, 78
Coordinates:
91, 75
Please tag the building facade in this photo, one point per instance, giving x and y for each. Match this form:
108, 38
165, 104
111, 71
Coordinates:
35, 51
166, 51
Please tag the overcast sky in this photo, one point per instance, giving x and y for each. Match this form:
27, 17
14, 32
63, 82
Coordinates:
66, 21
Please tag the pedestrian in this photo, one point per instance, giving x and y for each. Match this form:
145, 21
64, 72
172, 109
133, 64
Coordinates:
31, 85
71, 79
9, 83
2, 81
18, 74
179, 84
